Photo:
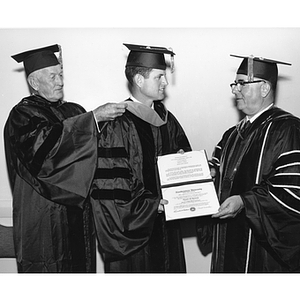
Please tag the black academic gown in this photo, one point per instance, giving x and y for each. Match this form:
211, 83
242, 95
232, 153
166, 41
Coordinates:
51, 154
133, 236
263, 166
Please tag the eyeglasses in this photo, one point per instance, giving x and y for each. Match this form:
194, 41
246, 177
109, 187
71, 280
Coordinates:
240, 84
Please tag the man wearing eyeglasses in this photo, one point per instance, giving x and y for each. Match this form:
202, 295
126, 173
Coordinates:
258, 179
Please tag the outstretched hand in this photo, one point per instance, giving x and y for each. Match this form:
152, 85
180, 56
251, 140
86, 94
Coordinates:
109, 111
230, 207
161, 207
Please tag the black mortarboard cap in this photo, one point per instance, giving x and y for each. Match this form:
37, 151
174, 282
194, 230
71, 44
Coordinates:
38, 58
260, 67
148, 56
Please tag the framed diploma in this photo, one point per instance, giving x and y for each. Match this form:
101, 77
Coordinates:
187, 185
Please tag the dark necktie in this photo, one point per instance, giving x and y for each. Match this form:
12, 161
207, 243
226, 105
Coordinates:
245, 128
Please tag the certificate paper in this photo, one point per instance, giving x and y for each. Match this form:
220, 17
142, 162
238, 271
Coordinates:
187, 185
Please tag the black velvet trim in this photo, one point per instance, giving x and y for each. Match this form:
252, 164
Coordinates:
31, 126
287, 199
112, 173
48, 144
112, 152
165, 136
116, 194
148, 149
288, 181
288, 159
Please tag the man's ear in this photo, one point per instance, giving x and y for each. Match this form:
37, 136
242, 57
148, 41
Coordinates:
265, 89
139, 79
33, 82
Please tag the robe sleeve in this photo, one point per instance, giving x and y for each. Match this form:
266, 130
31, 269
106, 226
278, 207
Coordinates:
273, 205
57, 158
124, 211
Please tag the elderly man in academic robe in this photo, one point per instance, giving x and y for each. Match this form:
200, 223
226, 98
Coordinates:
51, 154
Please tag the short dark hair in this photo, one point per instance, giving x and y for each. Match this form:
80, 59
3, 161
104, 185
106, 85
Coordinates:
273, 83
131, 71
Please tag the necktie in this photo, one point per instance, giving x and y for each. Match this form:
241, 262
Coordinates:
245, 127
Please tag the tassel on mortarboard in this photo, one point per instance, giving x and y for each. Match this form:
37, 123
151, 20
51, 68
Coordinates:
60, 56
250, 68
148, 56
172, 63
259, 67
37, 59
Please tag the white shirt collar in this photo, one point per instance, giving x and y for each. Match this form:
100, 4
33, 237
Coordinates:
252, 119
136, 100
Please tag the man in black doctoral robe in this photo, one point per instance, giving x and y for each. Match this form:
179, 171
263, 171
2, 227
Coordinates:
127, 203
258, 183
51, 154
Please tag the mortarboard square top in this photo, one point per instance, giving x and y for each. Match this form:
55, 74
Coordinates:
260, 67
38, 58
147, 56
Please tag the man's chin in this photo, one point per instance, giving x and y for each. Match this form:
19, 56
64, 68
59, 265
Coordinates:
240, 105
60, 96
56, 99
161, 97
